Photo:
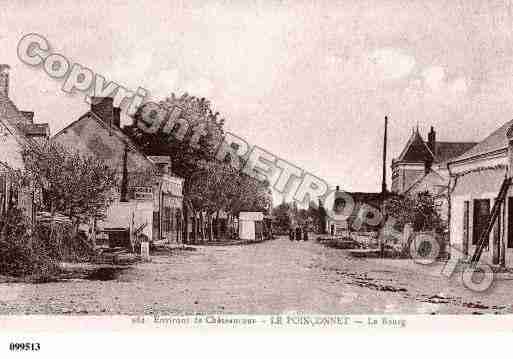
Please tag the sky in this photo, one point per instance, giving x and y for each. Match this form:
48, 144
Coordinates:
309, 81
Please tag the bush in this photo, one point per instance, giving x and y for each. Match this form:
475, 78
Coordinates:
36, 254
420, 210
20, 254
63, 246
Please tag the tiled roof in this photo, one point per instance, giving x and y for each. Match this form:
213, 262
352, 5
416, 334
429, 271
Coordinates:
13, 118
29, 115
497, 140
447, 150
417, 150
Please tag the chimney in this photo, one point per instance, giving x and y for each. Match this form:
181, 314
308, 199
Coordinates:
117, 117
4, 80
103, 108
29, 116
432, 140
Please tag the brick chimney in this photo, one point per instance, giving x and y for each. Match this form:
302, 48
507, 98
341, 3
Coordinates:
432, 140
29, 116
4, 80
117, 117
103, 108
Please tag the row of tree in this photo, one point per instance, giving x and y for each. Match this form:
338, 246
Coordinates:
420, 210
288, 215
82, 187
210, 186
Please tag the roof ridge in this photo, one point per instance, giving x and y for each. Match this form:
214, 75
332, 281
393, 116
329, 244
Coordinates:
115, 130
18, 134
495, 141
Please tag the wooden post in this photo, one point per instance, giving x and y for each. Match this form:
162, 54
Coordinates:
384, 179
384, 187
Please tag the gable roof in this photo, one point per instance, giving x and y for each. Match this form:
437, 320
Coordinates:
13, 119
497, 140
417, 150
113, 130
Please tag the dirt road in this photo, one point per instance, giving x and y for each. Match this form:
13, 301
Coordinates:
266, 278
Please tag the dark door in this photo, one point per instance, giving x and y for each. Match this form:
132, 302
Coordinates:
466, 222
510, 222
481, 217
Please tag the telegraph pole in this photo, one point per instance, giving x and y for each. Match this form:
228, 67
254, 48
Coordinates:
384, 191
384, 181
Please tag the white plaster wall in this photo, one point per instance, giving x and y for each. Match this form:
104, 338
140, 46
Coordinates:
119, 214
457, 221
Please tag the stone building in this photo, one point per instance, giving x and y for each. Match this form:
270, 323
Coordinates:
17, 130
149, 197
422, 166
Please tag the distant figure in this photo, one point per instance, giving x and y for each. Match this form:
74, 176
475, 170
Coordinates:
305, 233
291, 234
298, 233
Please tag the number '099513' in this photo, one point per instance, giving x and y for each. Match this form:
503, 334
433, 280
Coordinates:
34, 347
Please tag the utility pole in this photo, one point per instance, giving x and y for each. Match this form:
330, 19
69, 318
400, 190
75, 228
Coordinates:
384, 181
384, 190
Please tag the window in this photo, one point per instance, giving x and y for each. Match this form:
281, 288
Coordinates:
166, 220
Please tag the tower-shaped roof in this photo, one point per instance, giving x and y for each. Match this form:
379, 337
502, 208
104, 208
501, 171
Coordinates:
416, 150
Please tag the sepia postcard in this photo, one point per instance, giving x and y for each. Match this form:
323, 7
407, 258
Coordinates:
277, 166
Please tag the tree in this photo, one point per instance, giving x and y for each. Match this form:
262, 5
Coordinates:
187, 158
281, 214
210, 186
420, 210
211, 190
78, 186
287, 215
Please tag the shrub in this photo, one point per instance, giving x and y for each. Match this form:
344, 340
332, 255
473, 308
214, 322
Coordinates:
62, 245
20, 254
421, 210
36, 254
